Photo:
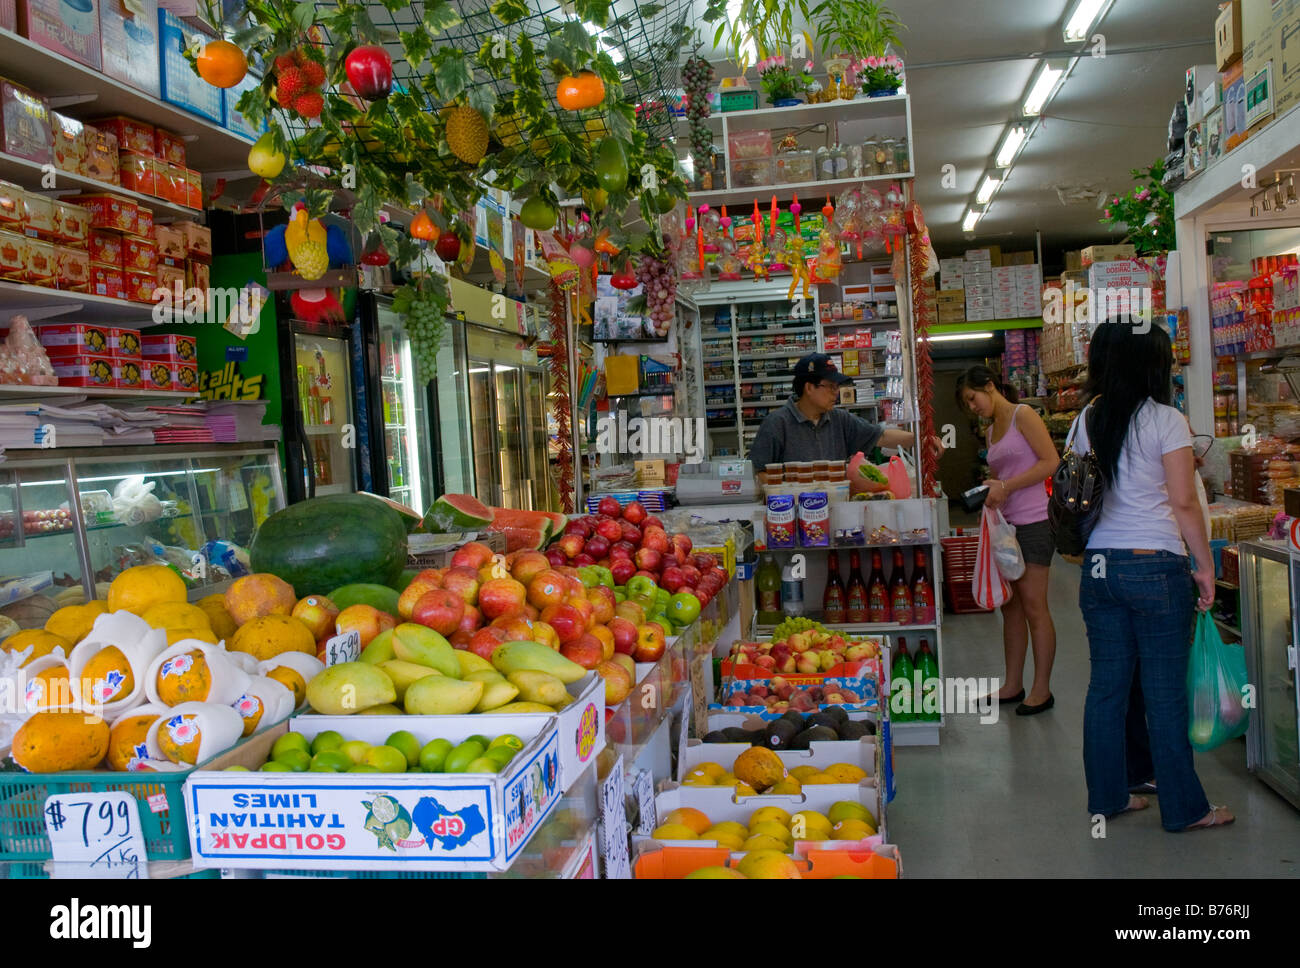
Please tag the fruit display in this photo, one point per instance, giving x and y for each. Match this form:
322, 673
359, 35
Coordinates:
794, 730
770, 828
401, 752
776, 696
811, 653
718, 863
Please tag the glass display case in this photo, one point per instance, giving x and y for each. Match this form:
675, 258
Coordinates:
1270, 585
77, 518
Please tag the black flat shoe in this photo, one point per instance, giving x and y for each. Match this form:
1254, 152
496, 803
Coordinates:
1018, 697
1024, 709
1148, 787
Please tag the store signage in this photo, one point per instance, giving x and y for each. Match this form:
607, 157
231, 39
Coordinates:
96, 835
613, 825
343, 648
644, 788
1293, 537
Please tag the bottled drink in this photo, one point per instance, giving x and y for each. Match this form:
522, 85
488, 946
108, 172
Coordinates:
922, 592
878, 609
855, 599
900, 684
900, 596
927, 667
767, 586
834, 605
791, 592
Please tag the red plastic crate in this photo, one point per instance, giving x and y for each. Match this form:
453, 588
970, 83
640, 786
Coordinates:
958, 572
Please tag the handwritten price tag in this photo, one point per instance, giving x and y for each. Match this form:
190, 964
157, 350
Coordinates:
96, 835
644, 787
343, 648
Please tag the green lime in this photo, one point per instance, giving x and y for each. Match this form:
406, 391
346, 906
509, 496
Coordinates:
507, 739
483, 764
363, 768
355, 750
500, 755
275, 766
297, 760
479, 738
290, 741
434, 754
386, 759
330, 739
405, 741
331, 760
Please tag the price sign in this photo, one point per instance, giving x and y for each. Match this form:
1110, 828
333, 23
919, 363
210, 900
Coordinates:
96, 835
343, 648
644, 787
613, 826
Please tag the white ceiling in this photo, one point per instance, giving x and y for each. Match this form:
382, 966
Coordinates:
968, 65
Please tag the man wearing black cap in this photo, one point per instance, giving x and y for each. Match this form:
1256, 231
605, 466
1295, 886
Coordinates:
809, 427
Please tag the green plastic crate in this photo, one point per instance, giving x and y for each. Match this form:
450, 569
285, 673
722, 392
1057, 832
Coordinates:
745, 99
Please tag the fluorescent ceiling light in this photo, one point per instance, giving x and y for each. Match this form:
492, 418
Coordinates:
956, 337
988, 187
1011, 142
973, 216
1040, 92
1082, 19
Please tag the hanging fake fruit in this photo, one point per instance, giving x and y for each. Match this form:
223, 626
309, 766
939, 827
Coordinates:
538, 213
422, 227
306, 240
298, 83
221, 63
623, 278
447, 246
263, 158
467, 134
604, 246
370, 71
611, 165
581, 90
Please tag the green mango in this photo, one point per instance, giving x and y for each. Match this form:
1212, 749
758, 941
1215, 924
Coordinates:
611, 165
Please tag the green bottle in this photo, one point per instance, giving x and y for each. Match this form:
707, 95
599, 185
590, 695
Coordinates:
901, 698
928, 667
767, 589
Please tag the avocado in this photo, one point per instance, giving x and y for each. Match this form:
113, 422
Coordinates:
823, 719
794, 716
717, 736
853, 730
756, 737
735, 734
838, 714
813, 734
780, 733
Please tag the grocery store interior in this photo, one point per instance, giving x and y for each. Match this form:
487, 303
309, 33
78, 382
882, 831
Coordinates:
625, 434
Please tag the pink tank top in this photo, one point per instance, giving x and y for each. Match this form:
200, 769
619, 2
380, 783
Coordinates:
1010, 456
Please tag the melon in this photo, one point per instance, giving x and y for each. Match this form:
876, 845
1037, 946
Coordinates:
523, 539
505, 520
382, 597
31, 612
453, 513
410, 516
326, 542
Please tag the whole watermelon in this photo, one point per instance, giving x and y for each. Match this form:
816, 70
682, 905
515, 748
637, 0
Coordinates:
325, 542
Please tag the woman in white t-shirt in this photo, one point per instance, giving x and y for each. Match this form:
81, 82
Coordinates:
1137, 593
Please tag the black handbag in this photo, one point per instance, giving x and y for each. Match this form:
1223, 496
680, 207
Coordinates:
1077, 490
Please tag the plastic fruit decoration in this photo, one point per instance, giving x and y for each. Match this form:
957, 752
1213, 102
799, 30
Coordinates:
611, 165
263, 158
447, 246
306, 241
298, 83
538, 213
467, 134
604, 246
221, 63
624, 277
827, 264
758, 249
578, 91
579, 243
375, 254
370, 71
711, 229
316, 306
422, 227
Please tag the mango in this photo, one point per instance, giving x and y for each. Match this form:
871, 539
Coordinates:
459, 759
538, 687
769, 865
404, 674
415, 643
380, 649
716, 874
495, 694
533, 656
512, 708
383, 709
485, 676
471, 662
442, 696
565, 701
349, 687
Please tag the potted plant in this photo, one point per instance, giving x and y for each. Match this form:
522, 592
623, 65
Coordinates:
767, 25
1147, 211
862, 29
780, 82
880, 76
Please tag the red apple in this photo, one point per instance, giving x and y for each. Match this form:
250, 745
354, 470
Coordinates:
704, 562
572, 545
610, 506
483, 642
464, 582
617, 682
425, 581
597, 547
634, 512
692, 575
656, 538
672, 578
440, 609
652, 522
501, 596
631, 611
650, 642
622, 569
370, 71
681, 547
765, 661
528, 566
567, 621
602, 607
610, 530
460, 639
648, 559
473, 554
622, 549
624, 632
548, 588
556, 557
652, 575
546, 635
586, 650
516, 627
584, 559
631, 533
472, 620
577, 526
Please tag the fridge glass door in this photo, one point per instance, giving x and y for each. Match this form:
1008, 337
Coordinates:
483, 431
1266, 586
405, 421
38, 543
536, 439
513, 469
325, 396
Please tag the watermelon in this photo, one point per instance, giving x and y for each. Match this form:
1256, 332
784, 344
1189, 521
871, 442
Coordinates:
410, 516
453, 513
363, 593
506, 520
325, 542
522, 539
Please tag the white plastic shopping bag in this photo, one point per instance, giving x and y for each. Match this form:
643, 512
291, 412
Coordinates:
990, 588
1006, 549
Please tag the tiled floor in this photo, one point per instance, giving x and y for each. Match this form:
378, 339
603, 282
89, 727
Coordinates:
1008, 799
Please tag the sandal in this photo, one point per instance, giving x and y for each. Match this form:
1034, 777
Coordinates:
1217, 817
1134, 804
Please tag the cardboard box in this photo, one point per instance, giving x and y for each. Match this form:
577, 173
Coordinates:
159, 375
1259, 96
167, 346
1234, 106
107, 281
180, 85
1211, 97
138, 173
75, 339
101, 155
129, 43
67, 27
85, 371
69, 143
198, 238
42, 265
108, 211
1107, 253
25, 124
73, 268
1195, 150
1197, 77
185, 376
12, 207
1213, 136
1227, 34
129, 374
126, 343
455, 821
38, 216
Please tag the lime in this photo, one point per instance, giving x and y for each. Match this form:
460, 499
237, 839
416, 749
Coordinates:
275, 766
404, 741
231, 769
290, 741
363, 768
330, 739
330, 760
434, 754
385, 809
508, 739
479, 738
386, 759
355, 750
500, 755
296, 760
483, 764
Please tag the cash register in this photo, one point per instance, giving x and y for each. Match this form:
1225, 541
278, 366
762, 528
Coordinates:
717, 482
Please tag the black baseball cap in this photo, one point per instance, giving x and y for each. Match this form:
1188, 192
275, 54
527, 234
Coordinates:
817, 367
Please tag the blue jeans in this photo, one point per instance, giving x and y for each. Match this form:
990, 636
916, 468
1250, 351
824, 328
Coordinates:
1143, 609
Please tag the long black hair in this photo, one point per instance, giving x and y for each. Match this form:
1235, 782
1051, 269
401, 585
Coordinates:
978, 377
1126, 368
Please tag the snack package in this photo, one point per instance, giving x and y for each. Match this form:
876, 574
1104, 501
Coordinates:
23, 359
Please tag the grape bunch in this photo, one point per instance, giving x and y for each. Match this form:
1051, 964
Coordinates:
697, 75
660, 287
425, 309
791, 626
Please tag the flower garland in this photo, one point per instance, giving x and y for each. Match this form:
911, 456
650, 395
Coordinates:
560, 375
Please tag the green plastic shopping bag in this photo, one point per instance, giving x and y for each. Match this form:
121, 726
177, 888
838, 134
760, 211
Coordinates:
1216, 688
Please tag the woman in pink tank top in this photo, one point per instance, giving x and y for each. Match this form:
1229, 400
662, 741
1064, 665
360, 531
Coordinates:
1021, 457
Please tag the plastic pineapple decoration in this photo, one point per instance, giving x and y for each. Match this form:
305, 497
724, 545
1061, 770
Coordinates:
305, 239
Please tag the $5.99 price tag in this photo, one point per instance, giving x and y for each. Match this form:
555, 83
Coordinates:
343, 648
96, 835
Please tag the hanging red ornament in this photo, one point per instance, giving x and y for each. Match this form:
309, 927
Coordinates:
559, 323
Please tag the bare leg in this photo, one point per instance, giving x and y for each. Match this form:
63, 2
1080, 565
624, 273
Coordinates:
1015, 643
1031, 591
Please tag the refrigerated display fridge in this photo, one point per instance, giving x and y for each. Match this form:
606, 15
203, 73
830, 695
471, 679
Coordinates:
403, 441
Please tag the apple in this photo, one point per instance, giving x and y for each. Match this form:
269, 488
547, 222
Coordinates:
672, 578
572, 545
530, 611
586, 650
651, 521
618, 682
656, 538
610, 506
704, 562
798, 642
440, 609
610, 530
650, 642
624, 632
583, 559
460, 638
424, 581
648, 559
602, 607
627, 662
528, 566
635, 512
829, 660
516, 627
704, 596
555, 556
501, 596
576, 526
622, 569
606, 638
545, 634
597, 546
631, 533
691, 575
472, 554
642, 573
584, 608
567, 621
765, 661
548, 588
631, 611
484, 642
472, 620
318, 613
758, 690
682, 544
464, 582
370, 71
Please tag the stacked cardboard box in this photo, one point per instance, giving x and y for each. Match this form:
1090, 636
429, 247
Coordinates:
952, 305
978, 276
952, 273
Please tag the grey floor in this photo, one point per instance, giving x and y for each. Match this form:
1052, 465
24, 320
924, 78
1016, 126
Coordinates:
1008, 799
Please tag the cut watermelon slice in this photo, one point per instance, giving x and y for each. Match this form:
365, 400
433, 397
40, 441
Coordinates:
453, 513
410, 517
522, 539
503, 518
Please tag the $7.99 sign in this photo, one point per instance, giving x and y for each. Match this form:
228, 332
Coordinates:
95, 835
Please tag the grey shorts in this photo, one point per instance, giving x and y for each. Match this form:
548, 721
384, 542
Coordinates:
1036, 543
